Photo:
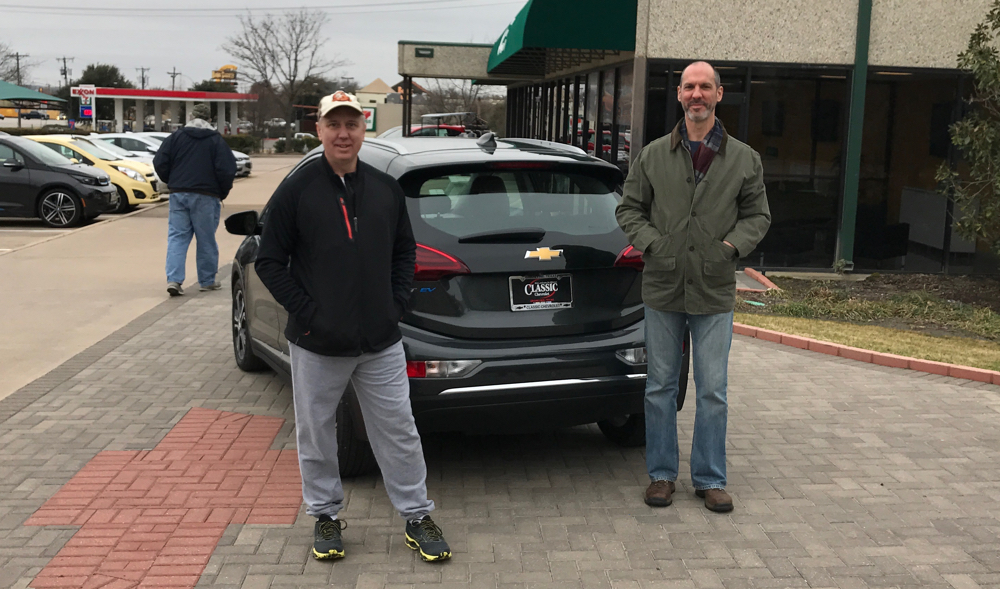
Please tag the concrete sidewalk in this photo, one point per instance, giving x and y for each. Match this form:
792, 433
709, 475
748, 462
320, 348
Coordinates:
63, 295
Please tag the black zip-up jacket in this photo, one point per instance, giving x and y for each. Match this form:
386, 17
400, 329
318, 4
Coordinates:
194, 159
339, 256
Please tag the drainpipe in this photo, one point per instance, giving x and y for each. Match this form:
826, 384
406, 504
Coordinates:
855, 131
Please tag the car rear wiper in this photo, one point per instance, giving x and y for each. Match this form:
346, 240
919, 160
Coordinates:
526, 235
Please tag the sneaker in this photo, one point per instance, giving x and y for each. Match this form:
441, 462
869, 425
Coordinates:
424, 536
716, 500
327, 542
213, 286
175, 289
658, 493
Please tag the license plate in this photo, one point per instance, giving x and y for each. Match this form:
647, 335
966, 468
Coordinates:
532, 293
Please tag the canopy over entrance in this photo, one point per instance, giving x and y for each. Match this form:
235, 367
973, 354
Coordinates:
553, 35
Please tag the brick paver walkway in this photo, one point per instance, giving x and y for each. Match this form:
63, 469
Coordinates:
844, 475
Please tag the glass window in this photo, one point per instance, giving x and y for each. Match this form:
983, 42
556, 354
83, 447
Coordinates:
607, 114
795, 123
473, 202
902, 221
623, 118
8, 153
591, 116
65, 151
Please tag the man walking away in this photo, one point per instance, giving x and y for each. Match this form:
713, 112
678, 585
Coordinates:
693, 203
338, 253
199, 168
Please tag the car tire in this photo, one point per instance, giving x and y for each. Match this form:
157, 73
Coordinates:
123, 206
629, 431
242, 345
60, 209
353, 453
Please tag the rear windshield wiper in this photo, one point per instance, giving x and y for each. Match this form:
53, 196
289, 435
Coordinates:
527, 235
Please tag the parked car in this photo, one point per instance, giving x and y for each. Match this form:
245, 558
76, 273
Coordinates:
275, 123
243, 164
36, 182
303, 136
34, 114
425, 131
526, 311
136, 150
135, 182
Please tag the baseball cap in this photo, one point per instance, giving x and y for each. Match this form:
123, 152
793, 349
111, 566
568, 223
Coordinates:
337, 100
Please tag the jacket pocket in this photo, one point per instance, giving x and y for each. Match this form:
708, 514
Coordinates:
660, 263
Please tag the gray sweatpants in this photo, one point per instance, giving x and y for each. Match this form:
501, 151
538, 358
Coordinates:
383, 389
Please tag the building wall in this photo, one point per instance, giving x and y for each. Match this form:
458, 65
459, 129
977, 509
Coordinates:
905, 33
785, 31
449, 61
924, 34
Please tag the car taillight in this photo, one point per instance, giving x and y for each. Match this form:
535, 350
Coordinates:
440, 368
630, 258
434, 264
416, 369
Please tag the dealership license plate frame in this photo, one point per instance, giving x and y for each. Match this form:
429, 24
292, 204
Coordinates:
540, 306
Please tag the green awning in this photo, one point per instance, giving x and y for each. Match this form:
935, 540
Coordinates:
14, 92
552, 35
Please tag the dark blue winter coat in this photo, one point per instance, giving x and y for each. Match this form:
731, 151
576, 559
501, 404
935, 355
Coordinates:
196, 159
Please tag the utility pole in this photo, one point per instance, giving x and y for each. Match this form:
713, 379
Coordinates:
65, 72
142, 76
17, 58
173, 76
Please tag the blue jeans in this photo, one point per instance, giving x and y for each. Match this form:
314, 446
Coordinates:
712, 336
193, 215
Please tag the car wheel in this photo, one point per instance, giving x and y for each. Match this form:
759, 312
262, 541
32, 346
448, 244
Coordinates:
630, 430
353, 453
123, 206
61, 209
242, 348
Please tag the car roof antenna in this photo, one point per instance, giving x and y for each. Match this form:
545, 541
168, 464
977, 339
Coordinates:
488, 142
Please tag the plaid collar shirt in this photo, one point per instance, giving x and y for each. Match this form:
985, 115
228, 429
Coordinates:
712, 141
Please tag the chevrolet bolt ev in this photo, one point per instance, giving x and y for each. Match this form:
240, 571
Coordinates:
525, 311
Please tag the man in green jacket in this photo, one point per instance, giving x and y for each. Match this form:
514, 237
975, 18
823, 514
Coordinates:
694, 203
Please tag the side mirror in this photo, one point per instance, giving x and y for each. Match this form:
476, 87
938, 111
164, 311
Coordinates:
244, 223
74, 160
14, 165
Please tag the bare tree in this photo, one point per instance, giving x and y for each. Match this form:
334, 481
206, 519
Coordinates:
453, 96
14, 70
281, 54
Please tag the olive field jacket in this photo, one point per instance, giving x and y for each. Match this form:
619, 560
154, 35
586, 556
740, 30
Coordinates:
680, 227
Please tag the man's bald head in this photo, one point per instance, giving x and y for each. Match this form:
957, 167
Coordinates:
702, 65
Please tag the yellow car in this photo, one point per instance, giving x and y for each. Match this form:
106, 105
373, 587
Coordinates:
136, 182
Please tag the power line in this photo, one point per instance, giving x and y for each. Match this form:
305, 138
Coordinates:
142, 76
17, 58
173, 77
345, 9
64, 71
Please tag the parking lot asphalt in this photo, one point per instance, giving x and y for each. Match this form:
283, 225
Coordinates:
149, 459
65, 290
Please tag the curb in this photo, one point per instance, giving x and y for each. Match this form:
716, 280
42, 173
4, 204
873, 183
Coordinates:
760, 278
879, 358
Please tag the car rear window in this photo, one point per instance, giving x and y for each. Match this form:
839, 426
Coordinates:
479, 201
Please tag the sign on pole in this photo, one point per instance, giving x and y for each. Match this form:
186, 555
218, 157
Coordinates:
86, 112
369, 118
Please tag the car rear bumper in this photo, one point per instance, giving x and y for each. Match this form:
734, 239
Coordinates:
527, 385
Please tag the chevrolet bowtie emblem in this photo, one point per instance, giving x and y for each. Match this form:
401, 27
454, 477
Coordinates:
543, 254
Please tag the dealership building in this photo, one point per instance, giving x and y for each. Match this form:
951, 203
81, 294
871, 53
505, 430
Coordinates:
848, 103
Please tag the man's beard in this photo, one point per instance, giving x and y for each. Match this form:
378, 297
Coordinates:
698, 118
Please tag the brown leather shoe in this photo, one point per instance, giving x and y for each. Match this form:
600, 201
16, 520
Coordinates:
716, 500
658, 493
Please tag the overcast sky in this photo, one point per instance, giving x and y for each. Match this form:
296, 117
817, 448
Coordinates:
186, 34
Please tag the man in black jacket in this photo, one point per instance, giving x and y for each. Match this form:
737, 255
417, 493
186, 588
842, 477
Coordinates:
338, 253
199, 168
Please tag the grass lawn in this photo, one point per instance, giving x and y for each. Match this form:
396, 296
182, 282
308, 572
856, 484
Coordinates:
953, 350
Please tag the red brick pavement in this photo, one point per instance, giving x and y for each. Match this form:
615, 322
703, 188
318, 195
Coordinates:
153, 518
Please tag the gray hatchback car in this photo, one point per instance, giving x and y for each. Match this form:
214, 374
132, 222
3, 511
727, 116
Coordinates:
525, 311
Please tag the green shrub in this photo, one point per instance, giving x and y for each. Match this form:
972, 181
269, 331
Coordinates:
242, 142
297, 145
